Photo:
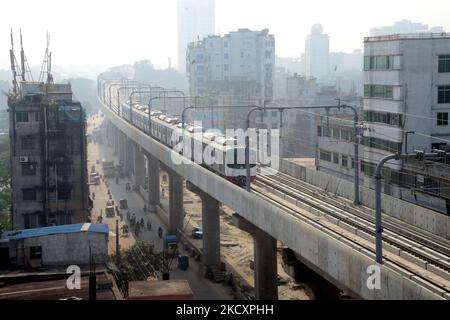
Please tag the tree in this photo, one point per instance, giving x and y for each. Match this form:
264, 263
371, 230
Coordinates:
5, 186
139, 262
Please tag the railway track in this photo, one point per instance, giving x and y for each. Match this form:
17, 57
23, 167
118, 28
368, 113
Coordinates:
414, 252
423, 256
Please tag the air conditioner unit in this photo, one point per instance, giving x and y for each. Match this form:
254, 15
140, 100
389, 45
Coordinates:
23, 159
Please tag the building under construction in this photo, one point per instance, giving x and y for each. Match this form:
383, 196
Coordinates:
48, 151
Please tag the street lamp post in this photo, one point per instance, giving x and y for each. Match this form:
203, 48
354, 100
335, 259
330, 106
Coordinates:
247, 147
419, 155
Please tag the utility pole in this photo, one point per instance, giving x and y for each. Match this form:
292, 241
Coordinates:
117, 243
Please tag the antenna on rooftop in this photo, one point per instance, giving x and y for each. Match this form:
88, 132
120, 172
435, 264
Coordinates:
24, 62
14, 66
46, 68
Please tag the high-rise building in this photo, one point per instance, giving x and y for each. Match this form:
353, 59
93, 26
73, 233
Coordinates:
238, 67
48, 156
317, 53
196, 20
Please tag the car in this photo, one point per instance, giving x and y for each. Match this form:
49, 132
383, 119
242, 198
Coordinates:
110, 212
197, 233
123, 204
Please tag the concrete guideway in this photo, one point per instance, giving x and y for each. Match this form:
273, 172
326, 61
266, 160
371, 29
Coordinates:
325, 253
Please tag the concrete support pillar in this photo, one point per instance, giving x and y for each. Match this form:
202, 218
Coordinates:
176, 212
128, 157
122, 147
153, 182
265, 260
211, 231
139, 166
211, 227
115, 139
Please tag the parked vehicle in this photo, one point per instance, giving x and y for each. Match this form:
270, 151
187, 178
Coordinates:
170, 245
110, 211
95, 178
197, 233
108, 168
123, 204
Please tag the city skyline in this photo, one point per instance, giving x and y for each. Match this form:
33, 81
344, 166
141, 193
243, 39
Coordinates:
83, 43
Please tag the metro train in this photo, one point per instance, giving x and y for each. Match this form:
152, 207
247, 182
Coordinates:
229, 155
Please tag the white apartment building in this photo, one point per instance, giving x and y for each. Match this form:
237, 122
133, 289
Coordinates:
406, 107
196, 20
406, 88
237, 68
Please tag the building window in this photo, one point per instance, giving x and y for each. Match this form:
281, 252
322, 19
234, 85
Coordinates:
378, 91
382, 144
36, 253
200, 56
393, 119
225, 44
336, 134
225, 56
28, 142
225, 67
444, 63
345, 135
28, 169
29, 194
326, 131
442, 118
344, 161
21, 116
368, 168
200, 68
444, 94
335, 158
325, 155
319, 131
200, 80
381, 62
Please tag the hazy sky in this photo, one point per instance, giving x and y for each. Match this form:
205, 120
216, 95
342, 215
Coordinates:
105, 33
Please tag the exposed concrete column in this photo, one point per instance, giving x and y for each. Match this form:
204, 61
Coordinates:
122, 147
128, 157
153, 182
211, 227
265, 260
115, 138
139, 166
176, 212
